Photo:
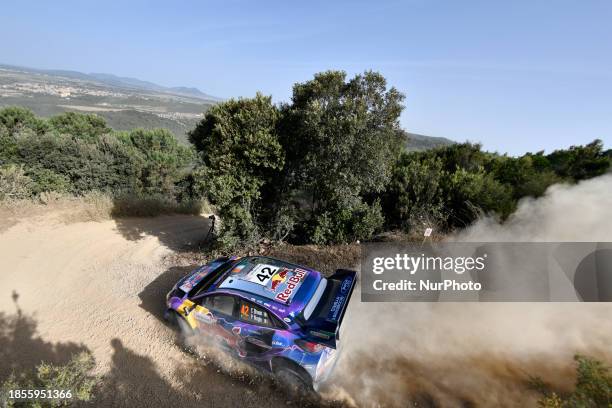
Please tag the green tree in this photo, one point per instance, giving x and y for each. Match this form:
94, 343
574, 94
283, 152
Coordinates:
85, 126
593, 387
415, 193
529, 175
341, 139
15, 119
472, 194
241, 155
106, 164
163, 159
580, 162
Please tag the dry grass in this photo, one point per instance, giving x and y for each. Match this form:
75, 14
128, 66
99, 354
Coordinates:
63, 208
93, 206
135, 206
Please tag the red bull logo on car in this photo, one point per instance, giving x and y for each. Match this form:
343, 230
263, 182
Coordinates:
279, 278
293, 284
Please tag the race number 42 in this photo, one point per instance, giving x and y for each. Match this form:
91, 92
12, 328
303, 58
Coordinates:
261, 274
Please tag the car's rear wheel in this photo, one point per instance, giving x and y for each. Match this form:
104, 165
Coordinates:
294, 378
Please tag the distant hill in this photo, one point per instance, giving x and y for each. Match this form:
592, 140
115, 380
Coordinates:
116, 81
418, 142
125, 103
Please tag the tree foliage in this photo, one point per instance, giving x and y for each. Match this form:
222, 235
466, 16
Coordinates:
241, 155
79, 125
341, 138
78, 153
163, 159
593, 387
452, 186
75, 376
16, 119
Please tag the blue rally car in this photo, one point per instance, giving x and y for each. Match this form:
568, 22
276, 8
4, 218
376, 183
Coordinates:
279, 316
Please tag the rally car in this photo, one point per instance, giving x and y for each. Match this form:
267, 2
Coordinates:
282, 317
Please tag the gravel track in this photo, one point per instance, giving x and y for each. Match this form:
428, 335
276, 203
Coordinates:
100, 286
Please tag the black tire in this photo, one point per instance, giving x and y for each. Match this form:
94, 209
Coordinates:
185, 331
294, 379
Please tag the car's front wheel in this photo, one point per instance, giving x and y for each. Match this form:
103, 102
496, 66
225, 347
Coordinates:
185, 330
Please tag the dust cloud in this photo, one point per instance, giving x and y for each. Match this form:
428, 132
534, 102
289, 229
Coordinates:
482, 354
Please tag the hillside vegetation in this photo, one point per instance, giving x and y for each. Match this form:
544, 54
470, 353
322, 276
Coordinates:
329, 167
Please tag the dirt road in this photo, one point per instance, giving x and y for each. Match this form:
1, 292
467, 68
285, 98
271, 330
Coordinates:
100, 286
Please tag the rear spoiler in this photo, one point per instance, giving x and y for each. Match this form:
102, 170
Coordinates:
324, 328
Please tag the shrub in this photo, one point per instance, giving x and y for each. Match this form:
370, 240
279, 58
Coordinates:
580, 162
14, 183
593, 387
74, 376
472, 194
80, 125
45, 180
162, 158
343, 225
106, 165
415, 193
15, 119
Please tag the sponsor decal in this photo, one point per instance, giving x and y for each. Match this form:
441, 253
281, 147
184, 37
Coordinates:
336, 307
346, 285
194, 279
292, 285
204, 316
279, 278
238, 268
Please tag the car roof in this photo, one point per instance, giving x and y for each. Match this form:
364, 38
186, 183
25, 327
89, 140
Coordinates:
279, 286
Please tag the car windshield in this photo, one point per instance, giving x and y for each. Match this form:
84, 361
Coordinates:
205, 283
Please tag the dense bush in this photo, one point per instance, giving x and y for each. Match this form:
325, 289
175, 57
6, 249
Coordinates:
452, 186
74, 376
84, 126
593, 387
14, 183
580, 162
16, 119
415, 194
163, 159
78, 153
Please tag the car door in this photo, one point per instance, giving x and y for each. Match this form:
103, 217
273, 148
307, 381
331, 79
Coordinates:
258, 329
216, 320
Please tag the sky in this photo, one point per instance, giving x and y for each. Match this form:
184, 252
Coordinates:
515, 75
